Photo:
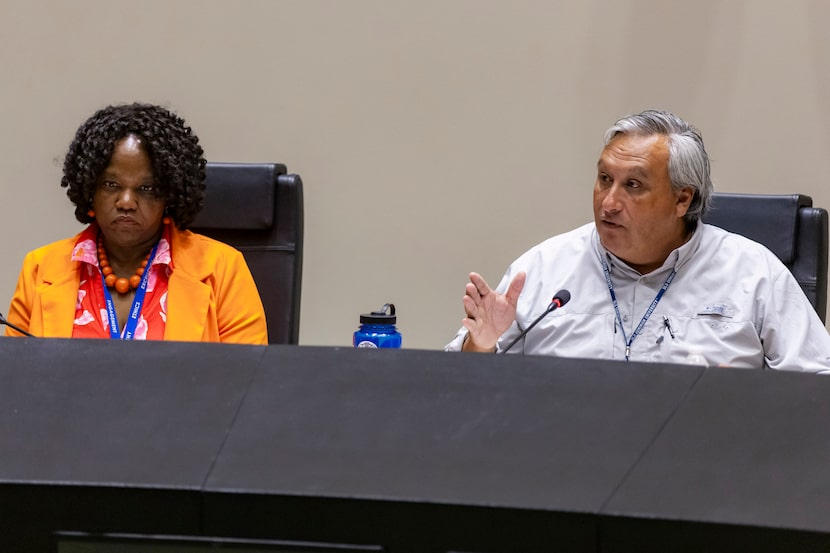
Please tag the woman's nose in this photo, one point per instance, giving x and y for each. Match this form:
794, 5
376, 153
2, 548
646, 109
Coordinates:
126, 199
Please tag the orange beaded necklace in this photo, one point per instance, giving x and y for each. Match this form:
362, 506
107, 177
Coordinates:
122, 285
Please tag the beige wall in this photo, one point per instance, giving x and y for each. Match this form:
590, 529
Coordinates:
434, 137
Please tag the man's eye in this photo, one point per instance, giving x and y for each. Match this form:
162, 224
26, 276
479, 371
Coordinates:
109, 185
147, 189
633, 184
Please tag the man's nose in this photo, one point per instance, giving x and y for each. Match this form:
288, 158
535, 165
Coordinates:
612, 200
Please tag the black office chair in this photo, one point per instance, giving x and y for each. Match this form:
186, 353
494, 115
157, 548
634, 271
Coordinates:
789, 226
258, 209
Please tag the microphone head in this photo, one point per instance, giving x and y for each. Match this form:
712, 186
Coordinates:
561, 298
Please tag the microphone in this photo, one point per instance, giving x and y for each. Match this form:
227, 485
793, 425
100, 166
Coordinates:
3, 321
559, 299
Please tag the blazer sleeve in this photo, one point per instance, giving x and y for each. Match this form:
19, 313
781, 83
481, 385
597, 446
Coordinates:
239, 312
20, 310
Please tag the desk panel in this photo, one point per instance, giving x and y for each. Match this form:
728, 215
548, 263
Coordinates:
744, 465
394, 446
120, 436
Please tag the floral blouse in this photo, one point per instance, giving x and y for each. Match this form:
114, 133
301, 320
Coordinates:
91, 316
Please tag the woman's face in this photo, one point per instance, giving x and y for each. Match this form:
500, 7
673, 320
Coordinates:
125, 203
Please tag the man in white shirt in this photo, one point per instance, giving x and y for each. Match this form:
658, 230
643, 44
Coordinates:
649, 281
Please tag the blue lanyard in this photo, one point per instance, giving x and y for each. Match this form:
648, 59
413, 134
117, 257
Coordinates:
649, 311
135, 310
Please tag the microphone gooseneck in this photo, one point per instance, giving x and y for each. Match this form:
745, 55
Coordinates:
3, 321
559, 299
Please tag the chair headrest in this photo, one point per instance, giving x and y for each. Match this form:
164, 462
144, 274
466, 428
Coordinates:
239, 196
766, 218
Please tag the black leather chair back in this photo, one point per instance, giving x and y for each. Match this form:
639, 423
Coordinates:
789, 226
258, 209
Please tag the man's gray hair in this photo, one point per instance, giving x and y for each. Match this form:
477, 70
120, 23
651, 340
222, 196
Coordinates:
688, 161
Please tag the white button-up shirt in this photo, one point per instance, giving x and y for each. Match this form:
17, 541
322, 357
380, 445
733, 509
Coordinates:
731, 303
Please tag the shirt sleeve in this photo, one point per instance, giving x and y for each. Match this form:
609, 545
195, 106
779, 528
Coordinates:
792, 334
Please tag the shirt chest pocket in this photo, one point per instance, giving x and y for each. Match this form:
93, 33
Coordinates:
713, 336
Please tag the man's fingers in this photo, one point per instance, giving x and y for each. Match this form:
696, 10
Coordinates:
515, 288
469, 306
472, 292
480, 284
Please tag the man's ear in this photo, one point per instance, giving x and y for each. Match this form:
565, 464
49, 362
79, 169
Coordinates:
684, 200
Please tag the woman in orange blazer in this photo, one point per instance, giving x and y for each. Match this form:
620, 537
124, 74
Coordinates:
136, 176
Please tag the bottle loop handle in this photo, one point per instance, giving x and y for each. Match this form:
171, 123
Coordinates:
387, 309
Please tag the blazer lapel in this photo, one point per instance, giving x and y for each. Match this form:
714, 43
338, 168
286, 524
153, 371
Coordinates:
187, 307
188, 297
57, 301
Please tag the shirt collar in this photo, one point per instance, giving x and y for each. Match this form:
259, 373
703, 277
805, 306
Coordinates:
86, 247
675, 260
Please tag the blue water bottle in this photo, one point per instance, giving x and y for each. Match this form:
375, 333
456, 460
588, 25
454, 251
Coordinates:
377, 329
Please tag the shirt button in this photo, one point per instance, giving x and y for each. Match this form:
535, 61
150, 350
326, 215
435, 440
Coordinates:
625, 318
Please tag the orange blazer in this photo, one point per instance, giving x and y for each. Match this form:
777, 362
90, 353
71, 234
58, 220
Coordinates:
211, 295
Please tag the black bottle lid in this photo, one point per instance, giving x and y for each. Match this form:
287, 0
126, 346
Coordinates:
386, 316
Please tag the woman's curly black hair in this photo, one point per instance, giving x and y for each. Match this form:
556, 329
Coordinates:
177, 159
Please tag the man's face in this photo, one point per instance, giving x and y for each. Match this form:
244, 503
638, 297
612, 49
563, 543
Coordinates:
638, 214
